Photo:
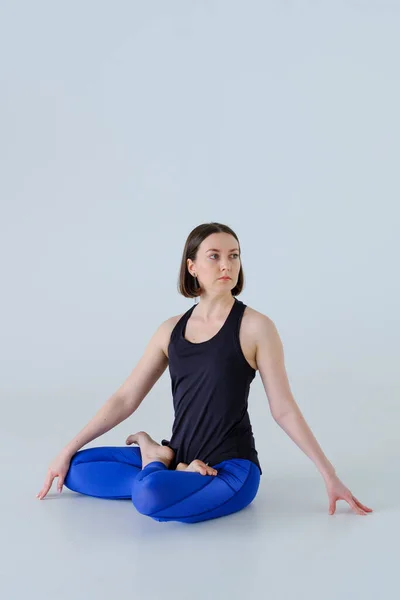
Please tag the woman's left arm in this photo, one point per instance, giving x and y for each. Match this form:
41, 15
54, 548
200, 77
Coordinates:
285, 411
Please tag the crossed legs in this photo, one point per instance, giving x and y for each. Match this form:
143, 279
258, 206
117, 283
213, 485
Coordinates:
142, 475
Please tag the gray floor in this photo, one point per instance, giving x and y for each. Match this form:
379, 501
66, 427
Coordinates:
284, 545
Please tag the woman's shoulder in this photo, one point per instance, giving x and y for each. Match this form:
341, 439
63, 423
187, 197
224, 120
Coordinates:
172, 321
255, 317
256, 324
166, 329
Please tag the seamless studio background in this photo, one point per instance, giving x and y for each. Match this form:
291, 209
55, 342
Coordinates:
123, 126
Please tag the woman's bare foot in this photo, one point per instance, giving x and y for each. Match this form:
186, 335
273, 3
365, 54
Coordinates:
150, 450
196, 466
181, 466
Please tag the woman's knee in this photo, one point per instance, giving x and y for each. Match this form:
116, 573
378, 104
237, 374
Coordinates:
145, 495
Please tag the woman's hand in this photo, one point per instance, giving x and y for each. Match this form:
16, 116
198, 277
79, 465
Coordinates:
58, 468
338, 491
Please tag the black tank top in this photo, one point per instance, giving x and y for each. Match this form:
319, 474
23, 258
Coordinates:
210, 384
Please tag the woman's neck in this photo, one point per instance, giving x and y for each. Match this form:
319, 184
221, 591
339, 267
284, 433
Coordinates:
214, 307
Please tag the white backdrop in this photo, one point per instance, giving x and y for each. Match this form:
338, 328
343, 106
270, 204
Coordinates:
123, 126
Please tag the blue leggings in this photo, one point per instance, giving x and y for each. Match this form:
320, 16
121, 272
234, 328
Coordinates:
115, 472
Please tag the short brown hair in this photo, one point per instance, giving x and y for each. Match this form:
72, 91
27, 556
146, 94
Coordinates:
196, 236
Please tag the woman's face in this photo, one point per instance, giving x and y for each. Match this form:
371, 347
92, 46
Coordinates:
218, 256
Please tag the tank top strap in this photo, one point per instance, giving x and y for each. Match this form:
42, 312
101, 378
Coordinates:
181, 324
231, 327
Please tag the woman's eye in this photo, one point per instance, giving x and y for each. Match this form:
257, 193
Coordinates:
234, 254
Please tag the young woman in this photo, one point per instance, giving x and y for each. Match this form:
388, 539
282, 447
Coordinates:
210, 467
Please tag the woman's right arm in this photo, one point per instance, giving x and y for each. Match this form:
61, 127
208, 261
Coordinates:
129, 396
119, 406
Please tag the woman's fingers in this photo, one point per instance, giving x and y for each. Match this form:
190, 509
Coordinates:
59, 467
362, 505
355, 506
354, 503
46, 486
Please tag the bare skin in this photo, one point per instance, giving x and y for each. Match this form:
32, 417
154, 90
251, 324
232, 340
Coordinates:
151, 451
196, 466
